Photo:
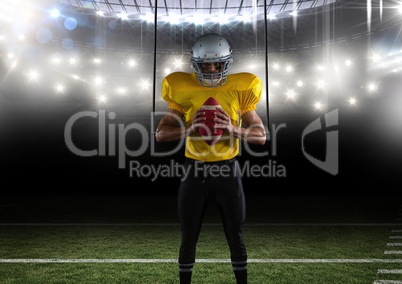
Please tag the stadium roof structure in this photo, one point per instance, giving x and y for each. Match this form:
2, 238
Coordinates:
195, 8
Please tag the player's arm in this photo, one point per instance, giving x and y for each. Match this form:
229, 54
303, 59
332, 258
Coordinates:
252, 132
172, 128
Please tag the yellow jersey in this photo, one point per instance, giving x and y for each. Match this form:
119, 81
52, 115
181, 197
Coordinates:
240, 94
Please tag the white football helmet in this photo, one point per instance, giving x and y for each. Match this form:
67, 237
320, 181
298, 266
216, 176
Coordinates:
211, 49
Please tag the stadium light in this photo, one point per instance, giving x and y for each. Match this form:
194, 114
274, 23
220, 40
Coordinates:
98, 81
55, 13
290, 94
352, 101
318, 105
59, 88
123, 16
320, 84
33, 75
372, 87
132, 63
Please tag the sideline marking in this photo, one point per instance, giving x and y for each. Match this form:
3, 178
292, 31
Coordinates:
391, 271
387, 282
171, 260
393, 252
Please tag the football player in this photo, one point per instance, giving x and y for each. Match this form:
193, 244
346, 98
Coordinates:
215, 172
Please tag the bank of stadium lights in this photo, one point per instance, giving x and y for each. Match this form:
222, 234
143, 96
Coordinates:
197, 20
395, 60
245, 19
123, 16
389, 63
288, 68
222, 19
176, 63
149, 18
271, 17
175, 19
12, 9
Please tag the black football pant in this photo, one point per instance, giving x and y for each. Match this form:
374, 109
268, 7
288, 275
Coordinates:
218, 181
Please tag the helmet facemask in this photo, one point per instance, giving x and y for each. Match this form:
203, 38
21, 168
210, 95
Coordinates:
211, 49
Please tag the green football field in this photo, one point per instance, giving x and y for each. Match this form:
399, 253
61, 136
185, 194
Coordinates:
135, 239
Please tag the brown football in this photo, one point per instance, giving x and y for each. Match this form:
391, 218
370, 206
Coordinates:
207, 130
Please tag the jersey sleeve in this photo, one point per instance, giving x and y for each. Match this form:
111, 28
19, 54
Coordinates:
167, 96
251, 96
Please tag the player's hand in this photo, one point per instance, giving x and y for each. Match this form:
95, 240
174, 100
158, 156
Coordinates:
198, 118
223, 120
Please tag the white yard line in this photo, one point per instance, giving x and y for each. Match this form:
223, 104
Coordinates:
172, 260
390, 271
393, 252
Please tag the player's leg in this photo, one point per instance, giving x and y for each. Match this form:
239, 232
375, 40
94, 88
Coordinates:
232, 207
192, 199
